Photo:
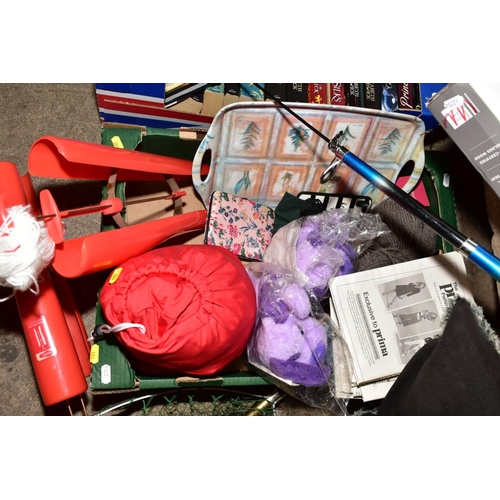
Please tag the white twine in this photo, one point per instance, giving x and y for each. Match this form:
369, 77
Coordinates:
122, 326
104, 328
26, 249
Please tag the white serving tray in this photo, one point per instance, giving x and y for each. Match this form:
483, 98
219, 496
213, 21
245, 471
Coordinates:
258, 150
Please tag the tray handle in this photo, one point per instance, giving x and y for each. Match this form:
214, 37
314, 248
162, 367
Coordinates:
416, 174
203, 186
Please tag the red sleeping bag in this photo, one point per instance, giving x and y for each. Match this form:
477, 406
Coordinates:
197, 303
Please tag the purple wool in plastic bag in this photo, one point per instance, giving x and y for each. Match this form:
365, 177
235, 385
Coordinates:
323, 250
278, 340
297, 300
306, 367
270, 303
278, 300
288, 339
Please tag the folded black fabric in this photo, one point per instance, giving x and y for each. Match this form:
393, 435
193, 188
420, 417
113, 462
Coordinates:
287, 210
455, 374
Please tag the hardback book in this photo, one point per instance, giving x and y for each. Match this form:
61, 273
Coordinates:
417, 97
277, 90
354, 94
371, 95
297, 92
317, 93
337, 94
232, 89
406, 97
389, 96
231, 93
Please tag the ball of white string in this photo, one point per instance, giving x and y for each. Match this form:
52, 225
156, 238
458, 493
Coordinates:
26, 249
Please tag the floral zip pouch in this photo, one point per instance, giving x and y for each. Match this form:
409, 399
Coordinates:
241, 225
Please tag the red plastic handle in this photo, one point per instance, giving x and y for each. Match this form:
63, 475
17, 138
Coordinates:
71, 159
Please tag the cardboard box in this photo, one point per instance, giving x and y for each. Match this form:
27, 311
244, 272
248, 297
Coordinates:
111, 370
142, 104
470, 114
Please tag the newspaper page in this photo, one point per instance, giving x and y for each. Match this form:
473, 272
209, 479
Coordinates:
385, 315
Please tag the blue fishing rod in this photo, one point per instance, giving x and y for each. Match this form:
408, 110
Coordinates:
468, 247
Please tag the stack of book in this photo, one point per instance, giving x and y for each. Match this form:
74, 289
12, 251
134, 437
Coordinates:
383, 96
404, 97
195, 104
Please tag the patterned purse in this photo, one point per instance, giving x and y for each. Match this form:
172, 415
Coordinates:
239, 224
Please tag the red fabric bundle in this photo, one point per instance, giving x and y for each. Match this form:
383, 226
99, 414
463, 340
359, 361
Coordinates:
197, 303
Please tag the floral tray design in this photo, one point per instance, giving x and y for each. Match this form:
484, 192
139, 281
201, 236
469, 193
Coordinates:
258, 150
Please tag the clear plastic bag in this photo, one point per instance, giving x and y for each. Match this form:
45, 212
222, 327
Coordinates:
295, 344
322, 246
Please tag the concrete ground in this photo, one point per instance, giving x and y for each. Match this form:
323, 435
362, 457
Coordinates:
30, 111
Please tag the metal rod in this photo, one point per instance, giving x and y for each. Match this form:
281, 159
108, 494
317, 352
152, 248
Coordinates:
466, 246
99, 208
293, 113
469, 248
174, 196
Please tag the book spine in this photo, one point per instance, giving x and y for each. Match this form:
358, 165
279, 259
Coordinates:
277, 90
405, 96
371, 95
317, 93
337, 94
417, 98
297, 92
388, 96
232, 89
231, 93
361, 94
354, 94
199, 97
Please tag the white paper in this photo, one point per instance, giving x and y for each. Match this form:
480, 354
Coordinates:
384, 330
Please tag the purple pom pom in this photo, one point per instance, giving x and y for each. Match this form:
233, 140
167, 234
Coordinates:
270, 303
304, 362
301, 373
349, 255
308, 225
323, 260
280, 341
314, 348
297, 300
